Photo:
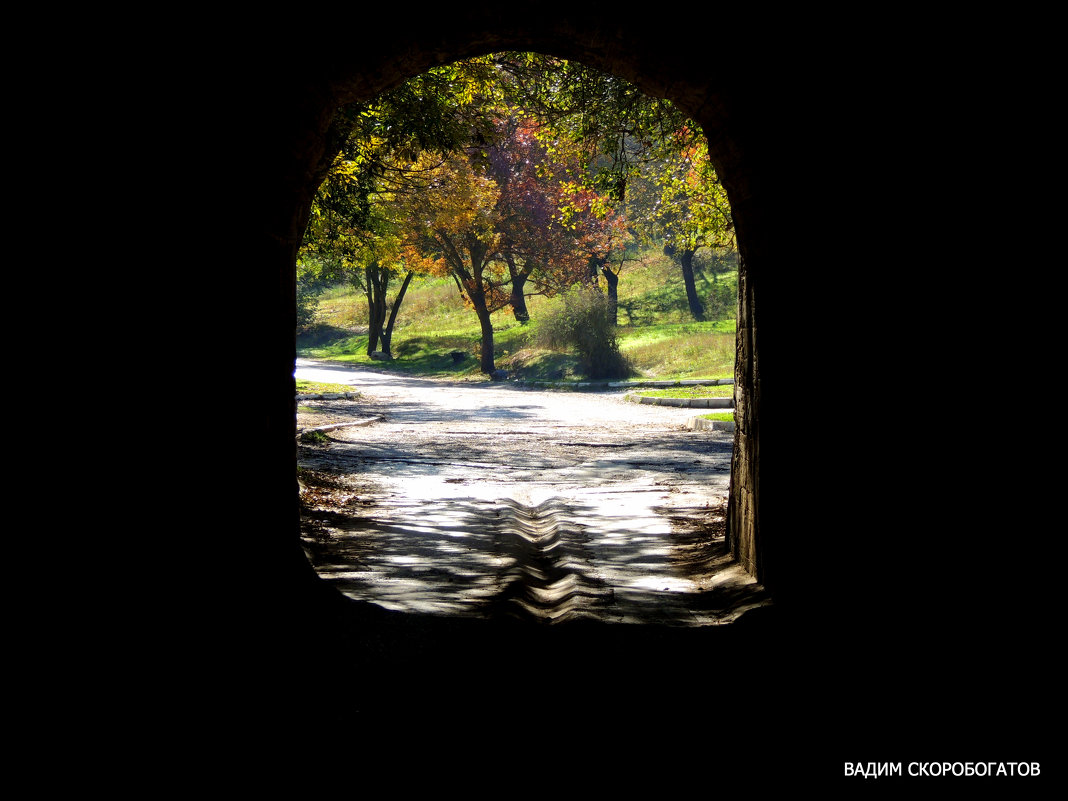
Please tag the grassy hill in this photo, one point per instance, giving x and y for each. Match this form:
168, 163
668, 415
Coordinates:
656, 331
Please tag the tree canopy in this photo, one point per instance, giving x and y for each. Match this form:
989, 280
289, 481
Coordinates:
515, 174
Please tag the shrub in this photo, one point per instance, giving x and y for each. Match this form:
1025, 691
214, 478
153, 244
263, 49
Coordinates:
307, 308
583, 323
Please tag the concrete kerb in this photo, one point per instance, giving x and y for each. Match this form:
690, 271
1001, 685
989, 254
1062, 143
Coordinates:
606, 385
701, 424
695, 423
334, 426
693, 403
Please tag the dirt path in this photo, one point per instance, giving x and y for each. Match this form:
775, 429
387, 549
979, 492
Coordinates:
486, 500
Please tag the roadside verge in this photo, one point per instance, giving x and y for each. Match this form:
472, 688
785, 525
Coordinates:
695, 423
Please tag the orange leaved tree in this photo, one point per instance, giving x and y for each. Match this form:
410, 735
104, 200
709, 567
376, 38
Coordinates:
554, 229
453, 230
499, 215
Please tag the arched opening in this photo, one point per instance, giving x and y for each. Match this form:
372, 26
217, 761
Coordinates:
662, 200
298, 146
281, 604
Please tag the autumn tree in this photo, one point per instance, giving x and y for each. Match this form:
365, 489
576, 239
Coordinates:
354, 230
630, 143
455, 227
500, 216
552, 226
684, 207
611, 124
507, 172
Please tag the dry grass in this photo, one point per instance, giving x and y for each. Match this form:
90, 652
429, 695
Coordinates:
684, 353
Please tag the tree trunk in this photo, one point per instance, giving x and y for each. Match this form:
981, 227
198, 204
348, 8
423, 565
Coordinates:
518, 300
696, 309
387, 332
612, 280
477, 295
478, 300
486, 362
373, 321
377, 279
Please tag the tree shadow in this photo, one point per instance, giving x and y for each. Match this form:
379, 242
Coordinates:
552, 562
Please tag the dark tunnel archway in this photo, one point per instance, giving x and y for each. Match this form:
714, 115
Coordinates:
735, 178
294, 134
764, 145
743, 548
825, 513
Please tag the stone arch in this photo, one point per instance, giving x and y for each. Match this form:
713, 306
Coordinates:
809, 131
285, 126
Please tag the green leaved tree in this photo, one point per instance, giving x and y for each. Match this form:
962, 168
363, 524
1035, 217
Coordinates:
678, 201
355, 233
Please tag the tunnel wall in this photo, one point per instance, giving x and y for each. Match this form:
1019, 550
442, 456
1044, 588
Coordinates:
903, 544
759, 135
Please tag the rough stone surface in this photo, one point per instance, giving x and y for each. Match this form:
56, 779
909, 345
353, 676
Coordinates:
761, 141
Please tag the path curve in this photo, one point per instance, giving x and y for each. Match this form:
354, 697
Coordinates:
487, 500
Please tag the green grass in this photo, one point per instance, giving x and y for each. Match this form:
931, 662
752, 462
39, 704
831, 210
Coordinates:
727, 417
681, 350
657, 333
717, 391
651, 292
316, 387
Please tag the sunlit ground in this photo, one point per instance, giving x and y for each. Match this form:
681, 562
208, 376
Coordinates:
488, 502
431, 544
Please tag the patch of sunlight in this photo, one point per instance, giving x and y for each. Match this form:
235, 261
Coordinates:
352, 575
449, 548
662, 584
656, 551
419, 529
435, 488
404, 560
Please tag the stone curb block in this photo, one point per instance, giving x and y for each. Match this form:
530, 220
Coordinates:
695, 382
701, 424
696, 403
335, 426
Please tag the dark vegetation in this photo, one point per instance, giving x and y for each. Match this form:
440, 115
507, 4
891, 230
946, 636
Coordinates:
584, 324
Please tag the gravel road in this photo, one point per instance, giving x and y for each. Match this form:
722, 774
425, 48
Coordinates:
488, 500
